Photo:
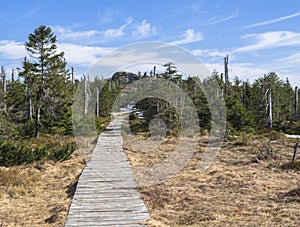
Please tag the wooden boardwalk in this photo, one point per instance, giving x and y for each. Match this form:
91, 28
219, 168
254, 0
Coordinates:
106, 193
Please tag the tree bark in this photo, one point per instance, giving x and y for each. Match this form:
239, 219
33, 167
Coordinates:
296, 116
73, 82
3, 75
270, 117
37, 121
97, 102
226, 76
29, 103
85, 98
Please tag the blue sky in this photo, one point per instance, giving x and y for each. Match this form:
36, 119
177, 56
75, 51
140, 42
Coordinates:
258, 36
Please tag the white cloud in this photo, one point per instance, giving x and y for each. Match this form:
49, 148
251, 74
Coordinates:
12, 50
144, 29
251, 72
209, 53
272, 39
113, 33
189, 36
223, 19
82, 55
149, 53
292, 59
141, 30
267, 22
243, 71
89, 36
107, 15
68, 34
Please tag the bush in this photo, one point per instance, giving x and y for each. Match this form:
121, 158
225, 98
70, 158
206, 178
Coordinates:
248, 129
101, 123
29, 128
63, 153
288, 127
17, 152
243, 139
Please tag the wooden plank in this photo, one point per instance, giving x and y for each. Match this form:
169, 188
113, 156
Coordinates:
105, 223
102, 196
113, 217
100, 211
106, 193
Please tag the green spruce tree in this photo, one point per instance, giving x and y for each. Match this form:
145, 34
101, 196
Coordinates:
50, 85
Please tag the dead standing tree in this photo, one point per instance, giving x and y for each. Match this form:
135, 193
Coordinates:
86, 94
226, 76
269, 108
268, 97
296, 116
3, 78
97, 101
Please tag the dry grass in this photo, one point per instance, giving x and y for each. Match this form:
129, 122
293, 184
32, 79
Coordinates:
38, 194
243, 187
239, 189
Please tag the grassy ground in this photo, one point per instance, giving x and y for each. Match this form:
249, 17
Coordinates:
245, 186
38, 194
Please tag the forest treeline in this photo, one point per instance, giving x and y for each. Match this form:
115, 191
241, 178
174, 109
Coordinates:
268, 103
37, 98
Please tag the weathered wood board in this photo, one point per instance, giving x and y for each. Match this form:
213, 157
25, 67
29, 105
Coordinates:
106, 193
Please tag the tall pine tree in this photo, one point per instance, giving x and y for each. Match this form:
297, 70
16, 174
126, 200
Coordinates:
50, 85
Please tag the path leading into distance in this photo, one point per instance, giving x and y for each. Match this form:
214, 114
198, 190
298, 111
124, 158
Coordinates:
106, 193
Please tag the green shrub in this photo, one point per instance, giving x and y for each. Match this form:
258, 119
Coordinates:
17, 153
63, 153
243, 139
28, 129
101, 123
248, 129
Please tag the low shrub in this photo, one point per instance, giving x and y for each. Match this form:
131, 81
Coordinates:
17, 152
101, 123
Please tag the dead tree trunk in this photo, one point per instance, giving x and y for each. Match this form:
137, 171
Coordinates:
72, 74
38, 112
3, 77
296, 105
182, 101
85, 96
12, 76
37, 120
29, 101
270, 117
97, 102
222, 86
226, 76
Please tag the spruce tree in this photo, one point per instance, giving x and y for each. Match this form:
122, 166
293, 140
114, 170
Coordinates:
51, 88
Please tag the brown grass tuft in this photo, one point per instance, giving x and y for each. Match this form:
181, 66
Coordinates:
38, 194
234, 191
